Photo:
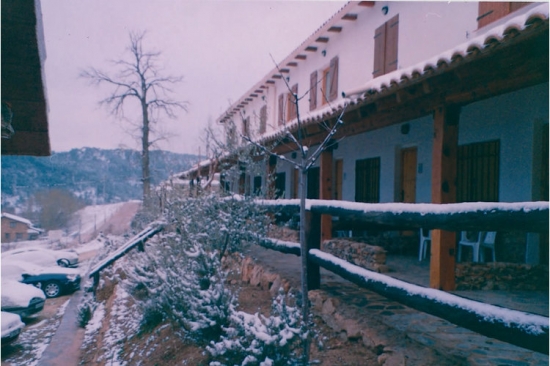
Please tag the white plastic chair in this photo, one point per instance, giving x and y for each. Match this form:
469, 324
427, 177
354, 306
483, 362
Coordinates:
488, 242
482, 238
467, 240
425, 239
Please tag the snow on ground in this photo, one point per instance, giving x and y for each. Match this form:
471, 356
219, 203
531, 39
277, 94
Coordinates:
88, 219
36, 338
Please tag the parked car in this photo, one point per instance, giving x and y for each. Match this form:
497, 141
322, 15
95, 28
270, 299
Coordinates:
54, 281
21, 299
11, 327
43, 256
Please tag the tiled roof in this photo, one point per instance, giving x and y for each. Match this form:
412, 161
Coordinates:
499, 32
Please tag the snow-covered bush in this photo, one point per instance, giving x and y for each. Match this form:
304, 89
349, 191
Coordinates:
254, 339
179, 277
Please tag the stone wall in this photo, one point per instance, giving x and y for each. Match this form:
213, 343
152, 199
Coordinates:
501, 276
363, 255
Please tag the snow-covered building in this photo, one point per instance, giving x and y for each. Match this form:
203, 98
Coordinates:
440, 101
17, 228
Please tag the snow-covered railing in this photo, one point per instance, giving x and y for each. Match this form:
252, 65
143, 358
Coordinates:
480, 216
522, 329
516, 327
286, 247
137, 241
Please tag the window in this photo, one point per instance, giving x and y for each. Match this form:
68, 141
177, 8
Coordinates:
257, 186
313, 91
13, 224
231, 135
385, 47
330, 82
477, 172
492, 11
263, 119
291, 103
246, 128
367, 180
18, 236
7, 236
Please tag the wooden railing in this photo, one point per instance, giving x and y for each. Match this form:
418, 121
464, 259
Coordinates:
137, 241
522, 329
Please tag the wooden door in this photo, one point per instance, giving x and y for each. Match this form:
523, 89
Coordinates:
408, 175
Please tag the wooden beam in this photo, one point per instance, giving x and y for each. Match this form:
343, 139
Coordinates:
444, 160
325, 186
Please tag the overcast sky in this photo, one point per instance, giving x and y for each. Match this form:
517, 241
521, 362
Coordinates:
222, 48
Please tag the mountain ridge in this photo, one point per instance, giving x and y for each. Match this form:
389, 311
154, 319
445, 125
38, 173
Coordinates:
94, 175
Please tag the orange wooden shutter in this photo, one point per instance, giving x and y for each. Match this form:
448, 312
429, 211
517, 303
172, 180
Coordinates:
379, 50
281, 109
333, 87
491, 11
392, 38
292, 111
313, 91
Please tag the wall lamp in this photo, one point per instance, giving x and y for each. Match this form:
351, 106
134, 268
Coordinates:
385, 10
324, 53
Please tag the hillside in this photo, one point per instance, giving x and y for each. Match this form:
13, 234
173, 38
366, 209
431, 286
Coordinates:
95, 175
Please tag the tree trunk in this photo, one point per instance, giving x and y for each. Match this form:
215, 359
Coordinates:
145, 176
304, 276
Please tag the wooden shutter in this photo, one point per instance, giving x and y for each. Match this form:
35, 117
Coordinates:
263, 119
333, 86
379, 50
313, 91
281, 109
392, 38
491, 11
292, 111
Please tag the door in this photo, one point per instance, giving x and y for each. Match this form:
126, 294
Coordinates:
313, 187
408, 175
338, 178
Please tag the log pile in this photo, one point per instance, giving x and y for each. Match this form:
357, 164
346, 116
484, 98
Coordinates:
501, 276
363, 255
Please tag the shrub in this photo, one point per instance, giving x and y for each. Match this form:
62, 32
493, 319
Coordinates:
252, 339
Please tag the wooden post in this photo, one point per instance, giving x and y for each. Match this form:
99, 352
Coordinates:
444, 161
313, 239
325, 178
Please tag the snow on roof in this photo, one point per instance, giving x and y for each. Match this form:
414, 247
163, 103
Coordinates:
16, 218
498, 32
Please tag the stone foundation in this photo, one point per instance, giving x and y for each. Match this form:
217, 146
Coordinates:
363, 255
501, 276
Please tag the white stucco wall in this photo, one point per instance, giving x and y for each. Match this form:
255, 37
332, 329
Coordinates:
425, 30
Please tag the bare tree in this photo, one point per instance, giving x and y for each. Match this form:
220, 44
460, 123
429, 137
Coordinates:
139, 79
303, 165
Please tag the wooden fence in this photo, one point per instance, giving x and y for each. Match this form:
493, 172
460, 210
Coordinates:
522, 329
